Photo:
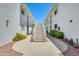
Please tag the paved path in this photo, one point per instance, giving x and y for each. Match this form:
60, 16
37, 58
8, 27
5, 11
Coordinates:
7, 50
40, 46
60, 44
28, 48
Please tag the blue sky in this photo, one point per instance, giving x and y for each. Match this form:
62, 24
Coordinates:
39, 10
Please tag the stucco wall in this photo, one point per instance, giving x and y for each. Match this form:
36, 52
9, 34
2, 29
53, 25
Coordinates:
67, 12
9, 12
47, 24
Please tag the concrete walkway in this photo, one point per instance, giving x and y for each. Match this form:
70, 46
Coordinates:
60, 44
40, 46
28, 48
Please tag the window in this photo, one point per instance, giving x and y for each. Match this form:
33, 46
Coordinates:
55, 26
55, 12
22, 11
58, 28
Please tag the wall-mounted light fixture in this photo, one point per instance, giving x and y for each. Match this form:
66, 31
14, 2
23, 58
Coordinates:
70, 21
7, 22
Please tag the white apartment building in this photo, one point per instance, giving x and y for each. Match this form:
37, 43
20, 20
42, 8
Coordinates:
10, 21
66, 17
26, 19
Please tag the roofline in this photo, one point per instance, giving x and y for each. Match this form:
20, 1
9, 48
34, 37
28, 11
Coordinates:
28, 10
51, 10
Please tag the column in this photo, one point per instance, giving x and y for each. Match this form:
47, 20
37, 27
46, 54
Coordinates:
27, 24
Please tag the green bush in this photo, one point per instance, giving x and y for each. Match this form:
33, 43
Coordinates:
71, 42
51, 32
19, 37
57, 34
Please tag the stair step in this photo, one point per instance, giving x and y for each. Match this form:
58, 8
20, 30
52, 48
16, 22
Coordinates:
39, 33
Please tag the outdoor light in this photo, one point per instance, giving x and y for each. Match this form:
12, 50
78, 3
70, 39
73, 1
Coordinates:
70, 21
7, 22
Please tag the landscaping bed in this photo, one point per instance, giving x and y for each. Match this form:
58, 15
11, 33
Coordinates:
57, 34
19, 37
60, 35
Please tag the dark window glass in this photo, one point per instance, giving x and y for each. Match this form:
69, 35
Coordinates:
22, 11
55, 12
55, 26
58, 28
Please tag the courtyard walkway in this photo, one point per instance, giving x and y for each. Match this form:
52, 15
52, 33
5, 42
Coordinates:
40, 46
28, 48
60, 44
64, 47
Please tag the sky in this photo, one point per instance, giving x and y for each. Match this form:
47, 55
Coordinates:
39, 10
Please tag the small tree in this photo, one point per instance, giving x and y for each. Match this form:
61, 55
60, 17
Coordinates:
71, 42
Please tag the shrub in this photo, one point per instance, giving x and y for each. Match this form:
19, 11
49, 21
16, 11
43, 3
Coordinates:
19, 37
71, 42
57, 34
51, 32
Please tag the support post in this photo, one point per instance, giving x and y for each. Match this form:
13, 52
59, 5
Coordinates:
27, 24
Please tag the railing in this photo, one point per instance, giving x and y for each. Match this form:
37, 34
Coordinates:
33, 36
44, 31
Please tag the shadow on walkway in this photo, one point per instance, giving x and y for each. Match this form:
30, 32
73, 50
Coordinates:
62, 46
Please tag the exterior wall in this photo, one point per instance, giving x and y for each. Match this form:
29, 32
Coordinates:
26, 17
47, 24
65, 13
23, 22
9, 12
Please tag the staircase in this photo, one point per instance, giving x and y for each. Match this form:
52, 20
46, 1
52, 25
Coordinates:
39, 33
